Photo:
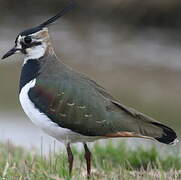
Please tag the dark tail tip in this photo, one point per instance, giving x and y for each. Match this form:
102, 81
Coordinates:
168, 137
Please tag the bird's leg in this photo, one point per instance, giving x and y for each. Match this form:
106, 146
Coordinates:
88, 157
70, 158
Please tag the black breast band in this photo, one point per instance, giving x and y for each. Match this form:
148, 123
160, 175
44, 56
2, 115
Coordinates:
29, 71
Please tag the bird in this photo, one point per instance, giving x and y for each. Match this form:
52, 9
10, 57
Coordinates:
70, 106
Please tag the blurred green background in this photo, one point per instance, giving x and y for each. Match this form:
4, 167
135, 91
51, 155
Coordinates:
131, 47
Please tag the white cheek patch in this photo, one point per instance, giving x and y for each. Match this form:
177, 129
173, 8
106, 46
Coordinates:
35, 52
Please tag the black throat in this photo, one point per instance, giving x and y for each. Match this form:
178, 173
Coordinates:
29, 71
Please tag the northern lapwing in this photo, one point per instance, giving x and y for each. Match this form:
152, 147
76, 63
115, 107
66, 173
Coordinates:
68, 105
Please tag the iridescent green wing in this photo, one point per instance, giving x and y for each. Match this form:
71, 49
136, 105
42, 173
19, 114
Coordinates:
75, 102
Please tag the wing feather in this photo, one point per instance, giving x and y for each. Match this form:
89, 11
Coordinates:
75, 102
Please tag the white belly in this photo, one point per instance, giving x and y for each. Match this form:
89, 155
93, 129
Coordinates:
41, 120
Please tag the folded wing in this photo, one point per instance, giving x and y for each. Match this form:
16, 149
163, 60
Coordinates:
80, 104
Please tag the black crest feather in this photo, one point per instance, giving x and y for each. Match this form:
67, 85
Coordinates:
60, 14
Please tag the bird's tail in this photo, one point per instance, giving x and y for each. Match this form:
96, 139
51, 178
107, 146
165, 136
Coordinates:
168, 135
140, 125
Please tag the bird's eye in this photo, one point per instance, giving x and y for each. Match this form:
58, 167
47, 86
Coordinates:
27, 40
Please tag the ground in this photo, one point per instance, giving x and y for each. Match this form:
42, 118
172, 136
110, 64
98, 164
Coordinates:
110, 162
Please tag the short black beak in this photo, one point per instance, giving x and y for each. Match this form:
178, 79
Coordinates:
10, 52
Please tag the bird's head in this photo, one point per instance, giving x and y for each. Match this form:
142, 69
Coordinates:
33, 43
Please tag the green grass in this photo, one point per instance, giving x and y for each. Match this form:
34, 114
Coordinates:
110, 162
